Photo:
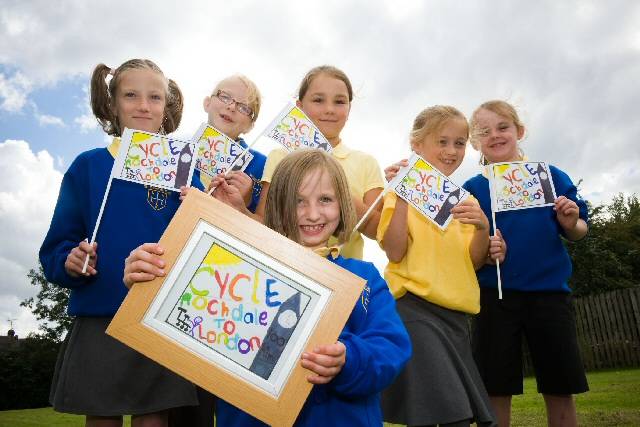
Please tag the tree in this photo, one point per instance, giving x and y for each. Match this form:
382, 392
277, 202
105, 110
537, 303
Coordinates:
49, 306
608, 257
26, 370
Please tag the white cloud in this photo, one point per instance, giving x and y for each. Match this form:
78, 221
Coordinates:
47, 120
14, 91
86, 121
29, 185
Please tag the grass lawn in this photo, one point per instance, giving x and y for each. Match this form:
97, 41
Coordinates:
614, 400
42, 417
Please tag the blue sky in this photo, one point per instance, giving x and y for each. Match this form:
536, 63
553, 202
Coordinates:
571, 69
60, 103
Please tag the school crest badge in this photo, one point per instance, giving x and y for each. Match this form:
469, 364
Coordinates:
157, 197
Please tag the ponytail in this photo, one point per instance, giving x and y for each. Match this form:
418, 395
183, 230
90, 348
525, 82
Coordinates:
101, 100
173, 109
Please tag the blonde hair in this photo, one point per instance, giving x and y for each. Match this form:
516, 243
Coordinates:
331, 71
103, 96
281, 209
501, 108
254, 98
431, 120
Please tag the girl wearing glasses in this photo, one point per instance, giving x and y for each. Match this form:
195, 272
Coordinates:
325, 95
233, 108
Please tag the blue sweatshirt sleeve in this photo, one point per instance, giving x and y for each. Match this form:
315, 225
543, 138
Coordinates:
67, 230
378, 349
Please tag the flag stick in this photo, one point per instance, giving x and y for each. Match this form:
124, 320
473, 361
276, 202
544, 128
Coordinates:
401, 173
373, 205
95, 229
493, 219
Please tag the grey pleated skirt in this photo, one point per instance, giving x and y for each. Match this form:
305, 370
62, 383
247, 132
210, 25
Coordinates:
441, 383
99, 376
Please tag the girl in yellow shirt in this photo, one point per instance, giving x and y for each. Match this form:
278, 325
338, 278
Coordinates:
431, 273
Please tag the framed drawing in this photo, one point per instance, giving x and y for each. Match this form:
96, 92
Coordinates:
238, 306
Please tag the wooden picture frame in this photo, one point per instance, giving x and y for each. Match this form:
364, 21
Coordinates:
236, 334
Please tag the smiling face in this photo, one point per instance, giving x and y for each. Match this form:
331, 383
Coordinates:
226, 117
317, 209
497, 136
445, 148
140, 100
327, 104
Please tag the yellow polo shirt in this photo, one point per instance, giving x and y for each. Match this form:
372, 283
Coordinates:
363, 174
437, 266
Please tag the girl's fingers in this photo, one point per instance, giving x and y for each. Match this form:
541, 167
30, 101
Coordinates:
141, 266
87, 248
147, 249
141, 277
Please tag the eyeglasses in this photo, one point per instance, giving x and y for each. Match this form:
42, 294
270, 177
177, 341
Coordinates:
227, 99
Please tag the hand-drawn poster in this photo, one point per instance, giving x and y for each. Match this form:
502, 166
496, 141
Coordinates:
216, 152
293, 129
236, 309
428, 190
522, 185
154, 159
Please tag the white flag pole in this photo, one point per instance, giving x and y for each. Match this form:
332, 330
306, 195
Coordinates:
373, 205
401, 173
491, 177
95, 228
274, 122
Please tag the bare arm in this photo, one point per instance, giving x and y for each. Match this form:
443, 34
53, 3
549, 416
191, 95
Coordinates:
396, 237
469, 212
370, 226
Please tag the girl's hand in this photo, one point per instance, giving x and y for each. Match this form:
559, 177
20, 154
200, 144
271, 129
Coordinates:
75, 260
325, 361
567, 212
227, 193
183, 192
143, 264
469, 212
497, 248
390, 172
243, 183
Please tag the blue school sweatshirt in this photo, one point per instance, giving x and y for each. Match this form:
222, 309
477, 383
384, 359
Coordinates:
134, 214
536, 258
378, 347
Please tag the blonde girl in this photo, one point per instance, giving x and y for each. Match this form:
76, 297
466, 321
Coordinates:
536, 300
431, 273
233, 108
